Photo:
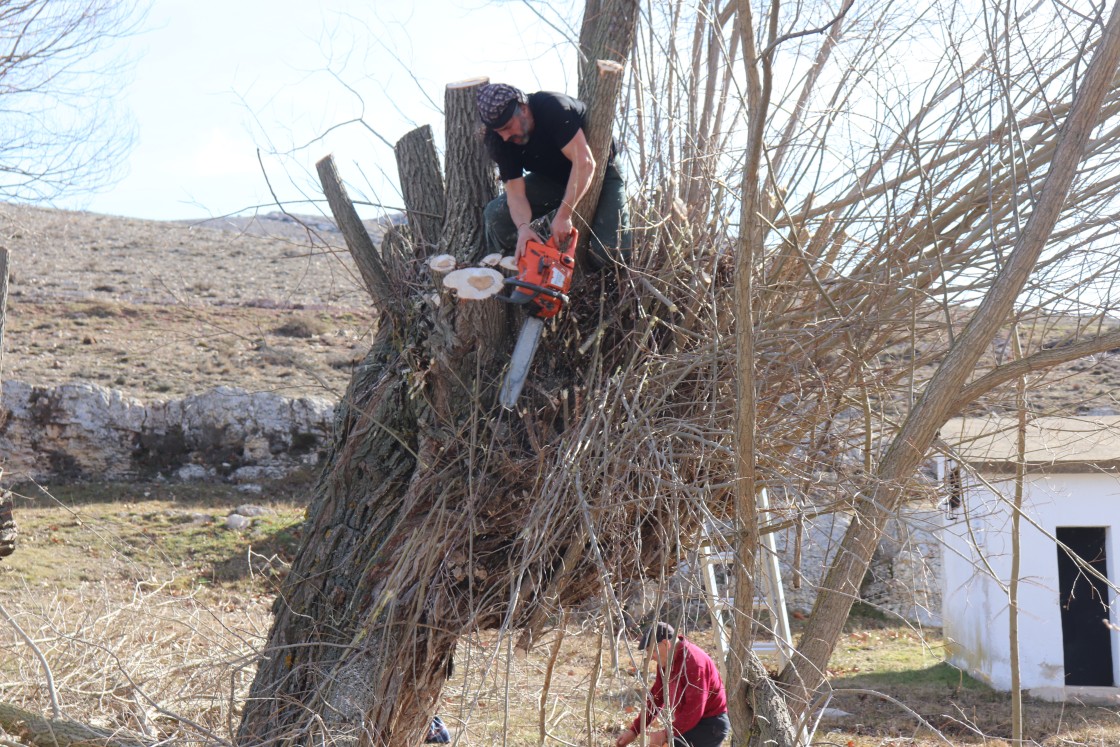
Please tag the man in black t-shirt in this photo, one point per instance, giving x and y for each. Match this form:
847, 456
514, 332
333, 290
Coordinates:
546, 167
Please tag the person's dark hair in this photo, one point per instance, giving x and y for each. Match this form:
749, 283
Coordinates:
657, 633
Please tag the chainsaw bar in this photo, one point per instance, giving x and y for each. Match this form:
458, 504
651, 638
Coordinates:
520, 361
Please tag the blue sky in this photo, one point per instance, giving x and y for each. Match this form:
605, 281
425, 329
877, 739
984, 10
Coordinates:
214, 81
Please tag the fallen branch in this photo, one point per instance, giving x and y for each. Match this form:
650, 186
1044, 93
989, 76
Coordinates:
50, 732
51, 690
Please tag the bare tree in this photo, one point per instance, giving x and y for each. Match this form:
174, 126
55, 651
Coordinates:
868, 249
879, 234
426, 523
939, 399
59, 77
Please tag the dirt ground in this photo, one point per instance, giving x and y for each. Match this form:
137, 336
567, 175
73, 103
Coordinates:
161, 309
164, 309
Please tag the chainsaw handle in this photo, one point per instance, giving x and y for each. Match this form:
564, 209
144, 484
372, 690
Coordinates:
573, 237
536, 289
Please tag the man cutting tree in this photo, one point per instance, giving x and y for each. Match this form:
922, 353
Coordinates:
546, 166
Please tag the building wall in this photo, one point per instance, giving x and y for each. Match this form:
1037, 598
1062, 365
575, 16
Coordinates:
904, 579
977, 563
903, 582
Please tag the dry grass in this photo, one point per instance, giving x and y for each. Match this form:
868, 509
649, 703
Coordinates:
149, 619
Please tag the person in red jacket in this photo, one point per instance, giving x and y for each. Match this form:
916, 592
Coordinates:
693, 705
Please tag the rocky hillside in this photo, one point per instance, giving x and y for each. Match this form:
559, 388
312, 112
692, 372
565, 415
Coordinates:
156, 312
157, 309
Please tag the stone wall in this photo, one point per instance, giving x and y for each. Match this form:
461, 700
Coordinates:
86, 431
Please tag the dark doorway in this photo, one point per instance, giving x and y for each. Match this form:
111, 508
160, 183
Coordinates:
1086, 639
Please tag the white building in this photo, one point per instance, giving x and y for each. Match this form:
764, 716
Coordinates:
1067, 617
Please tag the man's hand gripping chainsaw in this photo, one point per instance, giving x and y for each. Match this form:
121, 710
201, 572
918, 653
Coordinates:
544, 277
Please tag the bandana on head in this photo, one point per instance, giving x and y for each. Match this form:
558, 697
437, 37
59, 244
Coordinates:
497, 102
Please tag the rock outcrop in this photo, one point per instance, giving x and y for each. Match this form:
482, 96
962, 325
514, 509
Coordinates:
83, 430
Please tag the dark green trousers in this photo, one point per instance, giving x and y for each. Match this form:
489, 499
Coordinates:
610, 229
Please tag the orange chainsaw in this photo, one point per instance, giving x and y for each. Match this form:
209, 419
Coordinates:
544, 277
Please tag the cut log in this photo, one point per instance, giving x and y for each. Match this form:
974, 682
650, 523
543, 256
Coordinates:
470, 82
491, 260
440, 265
474, 283
605, 40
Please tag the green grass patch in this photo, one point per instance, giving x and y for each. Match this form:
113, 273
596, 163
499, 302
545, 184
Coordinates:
157, 533
942, 677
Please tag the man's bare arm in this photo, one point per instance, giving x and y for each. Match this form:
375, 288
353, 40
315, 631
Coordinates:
520, 211
578, 151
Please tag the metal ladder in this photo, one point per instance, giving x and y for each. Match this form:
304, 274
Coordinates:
770, 593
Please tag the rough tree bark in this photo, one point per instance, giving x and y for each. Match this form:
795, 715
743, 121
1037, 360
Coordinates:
5, 259
415, 533
942, 396
606, 39
471, 180
423, 192
359, 646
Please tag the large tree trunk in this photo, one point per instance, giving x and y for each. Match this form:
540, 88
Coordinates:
416, 533
360, 638
941, 397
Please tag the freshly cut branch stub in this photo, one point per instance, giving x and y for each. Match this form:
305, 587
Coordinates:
508, 263
441, 263
440, 266
474, 283
491, 260
469, 82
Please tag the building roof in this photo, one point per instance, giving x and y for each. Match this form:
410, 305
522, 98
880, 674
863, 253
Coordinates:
1090, 443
